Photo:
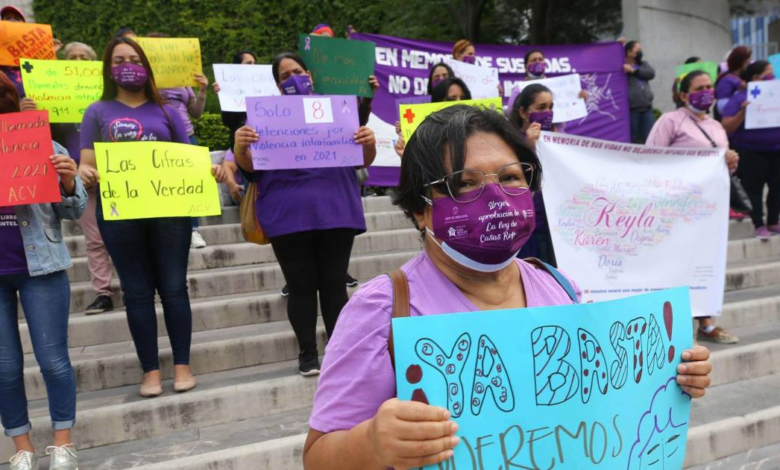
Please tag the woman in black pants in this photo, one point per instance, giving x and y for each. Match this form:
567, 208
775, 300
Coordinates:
759, 152
312, 217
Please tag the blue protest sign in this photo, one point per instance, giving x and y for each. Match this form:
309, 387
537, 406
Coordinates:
576, 386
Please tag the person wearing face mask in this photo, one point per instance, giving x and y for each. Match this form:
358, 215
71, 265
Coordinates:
150, 255
531, 113
640, 96
463, 160
437, 74
759, 150
311, 216
692, 127
730, 82
450, 89
464, 51
676, 84
33, 264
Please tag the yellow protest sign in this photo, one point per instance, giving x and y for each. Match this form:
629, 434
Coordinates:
63, 87
412, 115
19, 40
144, 180
174, 60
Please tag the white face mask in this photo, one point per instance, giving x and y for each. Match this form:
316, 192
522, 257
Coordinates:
468, 262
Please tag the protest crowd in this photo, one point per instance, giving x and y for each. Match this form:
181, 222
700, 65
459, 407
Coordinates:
460, 161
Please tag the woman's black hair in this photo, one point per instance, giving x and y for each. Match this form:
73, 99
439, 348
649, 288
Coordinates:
239, 57
685, 83
124, 30
756, 68
286, 55
450, 73
630, 46
439, 93
692, 60
524, 100
438, 148
528, 55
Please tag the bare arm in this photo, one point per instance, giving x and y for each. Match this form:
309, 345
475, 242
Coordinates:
340, 450
245, 136
365, 137
196, 105
732, 123
88, 168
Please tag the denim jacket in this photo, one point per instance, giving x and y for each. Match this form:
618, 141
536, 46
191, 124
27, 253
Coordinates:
41, 232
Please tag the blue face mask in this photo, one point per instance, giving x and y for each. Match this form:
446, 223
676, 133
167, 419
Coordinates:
297, 85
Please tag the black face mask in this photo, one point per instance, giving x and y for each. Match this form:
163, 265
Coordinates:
638, 57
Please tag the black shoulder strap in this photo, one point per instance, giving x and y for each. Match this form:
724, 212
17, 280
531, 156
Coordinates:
712, 142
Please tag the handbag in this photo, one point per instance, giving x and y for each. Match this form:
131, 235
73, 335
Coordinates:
738, 197
250, 226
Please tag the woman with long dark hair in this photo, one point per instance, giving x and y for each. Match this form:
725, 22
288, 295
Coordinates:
150, 255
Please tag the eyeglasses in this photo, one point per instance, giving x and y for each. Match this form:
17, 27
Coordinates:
467, 185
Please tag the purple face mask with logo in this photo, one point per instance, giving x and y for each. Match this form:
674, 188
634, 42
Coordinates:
470, 59
545, 118
537, 69
131, 77
486, 234
701, 100
297, 85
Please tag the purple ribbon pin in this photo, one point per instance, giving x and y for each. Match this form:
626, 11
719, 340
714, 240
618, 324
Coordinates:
345, 108
114, 212
308, 43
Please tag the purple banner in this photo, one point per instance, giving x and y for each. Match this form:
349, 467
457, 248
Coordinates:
298, 131
402, 67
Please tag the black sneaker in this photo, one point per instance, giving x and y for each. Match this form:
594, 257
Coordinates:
285, 291
309, 364
102, 303
351, 281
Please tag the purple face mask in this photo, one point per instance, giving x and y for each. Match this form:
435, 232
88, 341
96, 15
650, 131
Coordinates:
297, 85
131, 77
769, 77
470, 59
537, 69
545, 118
701, 100
486, 234
436, 82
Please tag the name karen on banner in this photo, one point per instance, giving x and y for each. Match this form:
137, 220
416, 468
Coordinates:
63, 87
146, 180
628, 219
237, 82
585, 386
299, 131
26, 173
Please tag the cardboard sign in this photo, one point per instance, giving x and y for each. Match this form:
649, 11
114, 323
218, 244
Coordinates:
482, 81
25, 40
26, 173
584, 386
764, 108
565, 89
339, 66
174, 61
145, 180
627, 218
412, 115
711, 68
237, 82
63, 87
299, 131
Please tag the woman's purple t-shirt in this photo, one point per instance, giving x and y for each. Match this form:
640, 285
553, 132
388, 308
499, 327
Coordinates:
179, 98
759, 140
357, 375
725, 89
12, 257
112, 121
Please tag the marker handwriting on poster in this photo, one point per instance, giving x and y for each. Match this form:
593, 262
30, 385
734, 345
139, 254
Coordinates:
571, 385
25, 40
63, 87
175, 61
237, 82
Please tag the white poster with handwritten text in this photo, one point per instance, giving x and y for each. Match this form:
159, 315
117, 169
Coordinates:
764, 108
628, 219
566, 90
239, 81
482, 81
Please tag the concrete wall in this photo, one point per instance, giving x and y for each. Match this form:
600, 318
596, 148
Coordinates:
673, 30
25, 5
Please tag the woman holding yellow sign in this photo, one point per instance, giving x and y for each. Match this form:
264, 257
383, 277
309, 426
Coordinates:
150, 255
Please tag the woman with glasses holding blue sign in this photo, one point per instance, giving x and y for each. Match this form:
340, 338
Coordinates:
311, 216
462, 162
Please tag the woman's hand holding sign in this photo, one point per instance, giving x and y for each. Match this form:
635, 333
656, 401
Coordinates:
693, 374
67, 170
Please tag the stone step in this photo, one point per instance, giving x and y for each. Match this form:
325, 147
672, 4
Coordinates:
228, 234
766, 457
247, 279
245, 254
230, 215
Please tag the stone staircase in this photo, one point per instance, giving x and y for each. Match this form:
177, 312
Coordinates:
250, 408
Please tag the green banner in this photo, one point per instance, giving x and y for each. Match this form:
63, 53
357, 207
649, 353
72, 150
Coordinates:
339, 66
711, 68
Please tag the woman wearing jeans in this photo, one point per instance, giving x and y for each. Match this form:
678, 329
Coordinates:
150, 255
33, 260
311, 216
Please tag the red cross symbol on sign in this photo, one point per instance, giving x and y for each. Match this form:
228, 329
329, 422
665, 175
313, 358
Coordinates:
409, 115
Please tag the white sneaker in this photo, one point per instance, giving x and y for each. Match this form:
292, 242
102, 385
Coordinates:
197, 241
24, 460
63, 458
